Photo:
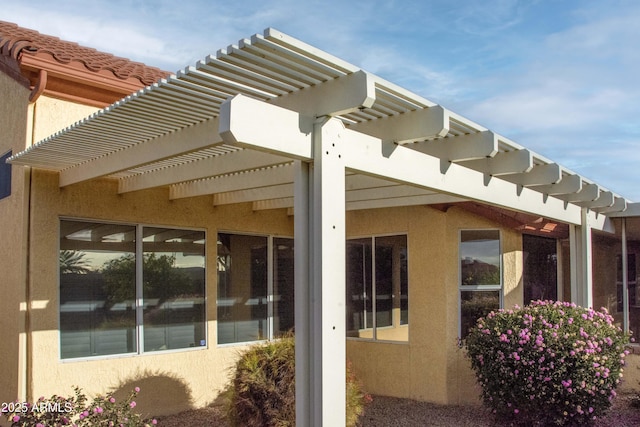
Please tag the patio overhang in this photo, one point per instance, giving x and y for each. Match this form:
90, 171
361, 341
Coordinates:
168, 135
278, 123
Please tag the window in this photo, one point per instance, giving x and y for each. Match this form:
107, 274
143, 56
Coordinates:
377, 288
5, 176
255, 287
130, 289
480, 275
540, 269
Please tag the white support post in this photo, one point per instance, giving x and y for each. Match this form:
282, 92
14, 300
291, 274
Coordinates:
328, 285
303, 315
574, 262
625, 278
320, 281
559, 271
581, 262
586, 263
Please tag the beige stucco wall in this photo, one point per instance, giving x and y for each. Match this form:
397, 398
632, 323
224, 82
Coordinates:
172, 381
50, 115
13, 228
430, 366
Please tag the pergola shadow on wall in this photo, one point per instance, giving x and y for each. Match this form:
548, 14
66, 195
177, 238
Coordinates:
278, 123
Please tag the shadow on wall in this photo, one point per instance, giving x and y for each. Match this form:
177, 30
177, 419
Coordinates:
161, 393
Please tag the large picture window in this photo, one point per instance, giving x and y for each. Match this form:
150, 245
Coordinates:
377, 288
130, 289
480, 275
255, 287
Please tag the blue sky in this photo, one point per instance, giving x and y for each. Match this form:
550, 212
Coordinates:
560, 77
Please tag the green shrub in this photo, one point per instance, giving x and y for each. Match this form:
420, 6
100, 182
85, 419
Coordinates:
262, 389
551, 363
74, 410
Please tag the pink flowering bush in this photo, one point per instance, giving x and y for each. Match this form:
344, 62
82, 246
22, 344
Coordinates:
550, 363
75, 411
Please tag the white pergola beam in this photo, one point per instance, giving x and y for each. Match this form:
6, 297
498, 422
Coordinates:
237, 161
247, 122
619, 205
191, 138
461, 148
503, 163
389, 192
412, 126
588, 193
568, 184
605, 199
405, 165
283, 203
267, 177
339, 96
364, 154
428, 199
253, 194
548, 174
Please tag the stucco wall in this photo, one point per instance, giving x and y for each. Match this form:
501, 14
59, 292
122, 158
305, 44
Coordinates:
172, 381
51, 115
13, 125
430, 366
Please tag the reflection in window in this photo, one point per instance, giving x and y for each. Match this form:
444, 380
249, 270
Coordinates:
283, 301
377, 288
99, 292
540, 269
480, 275
97, 289
254, 304
173, 288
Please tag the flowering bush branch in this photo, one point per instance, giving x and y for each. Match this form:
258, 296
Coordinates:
551, 363
74, 411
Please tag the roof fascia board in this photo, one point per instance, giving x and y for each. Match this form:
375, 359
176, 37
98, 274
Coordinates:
102, 80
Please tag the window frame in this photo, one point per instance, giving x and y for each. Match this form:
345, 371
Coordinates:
5, 170
374, 327
479, 288
270, 286
139, 300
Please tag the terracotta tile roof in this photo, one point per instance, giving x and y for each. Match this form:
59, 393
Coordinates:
16, 41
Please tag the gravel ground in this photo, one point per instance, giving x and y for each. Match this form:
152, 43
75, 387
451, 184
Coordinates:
393, 412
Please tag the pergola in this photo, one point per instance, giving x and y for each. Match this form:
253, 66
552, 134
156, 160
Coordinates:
281, 124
